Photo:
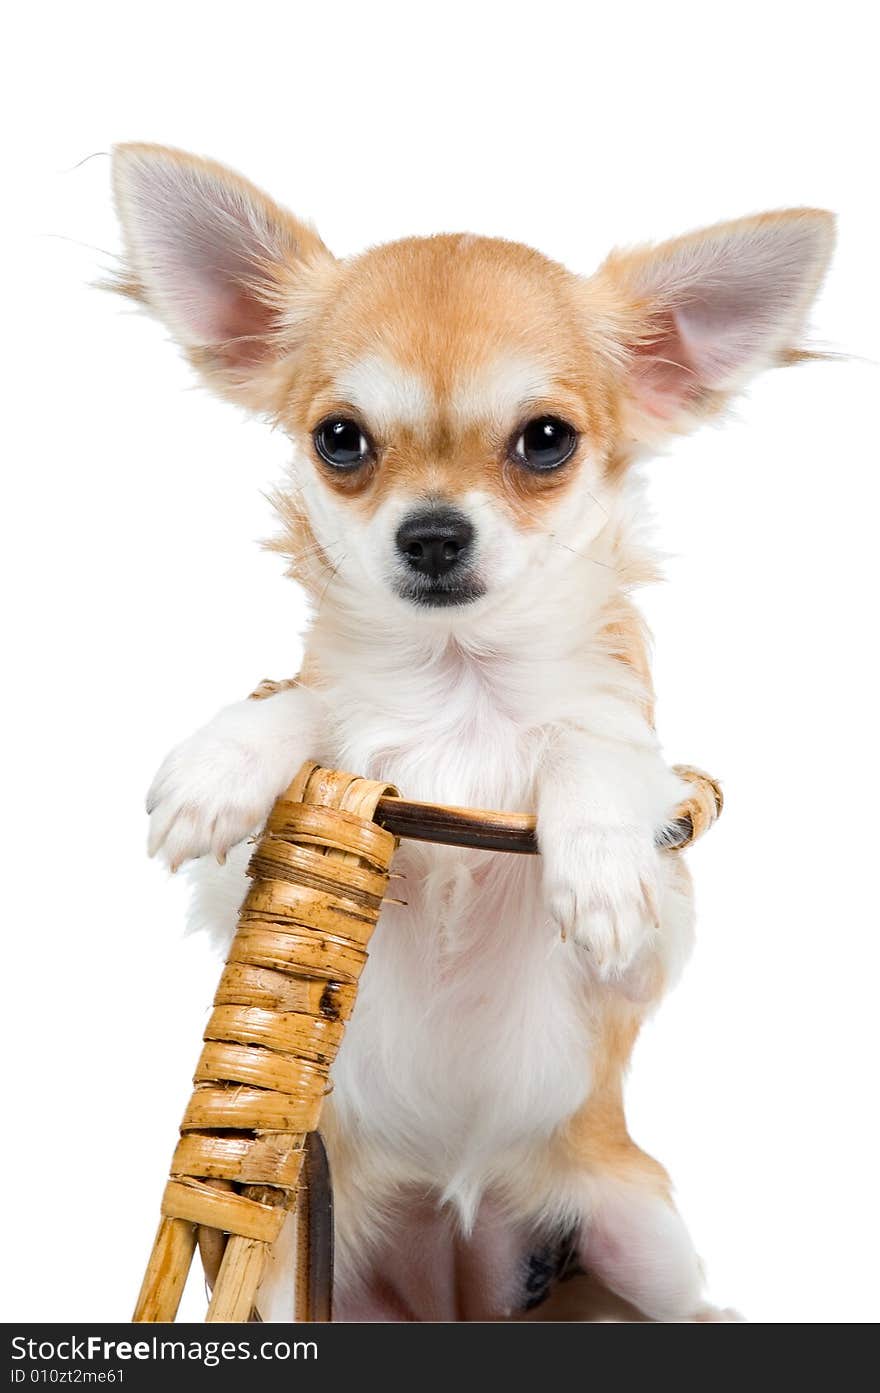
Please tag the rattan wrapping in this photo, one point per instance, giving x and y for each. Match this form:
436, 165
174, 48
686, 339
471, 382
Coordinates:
318, 877
703, 805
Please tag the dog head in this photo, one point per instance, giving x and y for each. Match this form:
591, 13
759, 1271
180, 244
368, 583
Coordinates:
463, 408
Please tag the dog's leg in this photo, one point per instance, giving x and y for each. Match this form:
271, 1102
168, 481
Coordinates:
629, 1235
217, 787
601, 798
615, 1196
636, 1243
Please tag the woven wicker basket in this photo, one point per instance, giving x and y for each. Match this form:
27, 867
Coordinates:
319, 874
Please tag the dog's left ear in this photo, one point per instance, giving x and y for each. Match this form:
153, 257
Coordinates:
234, 276
695, 318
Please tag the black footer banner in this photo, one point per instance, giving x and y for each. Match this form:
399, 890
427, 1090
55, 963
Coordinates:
121, 1357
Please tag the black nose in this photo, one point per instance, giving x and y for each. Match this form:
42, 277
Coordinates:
435, 541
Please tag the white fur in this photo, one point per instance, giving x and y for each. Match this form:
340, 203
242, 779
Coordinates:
499, 391
215, 789
384, 392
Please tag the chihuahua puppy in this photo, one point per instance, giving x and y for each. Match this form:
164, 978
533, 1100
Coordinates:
465, 512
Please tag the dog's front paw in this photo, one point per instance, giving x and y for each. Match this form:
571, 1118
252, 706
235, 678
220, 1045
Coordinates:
601, 890
211, 792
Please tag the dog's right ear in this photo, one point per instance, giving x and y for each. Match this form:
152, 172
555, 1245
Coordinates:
233, 276
698, 317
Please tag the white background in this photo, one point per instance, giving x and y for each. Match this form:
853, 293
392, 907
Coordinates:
136, 600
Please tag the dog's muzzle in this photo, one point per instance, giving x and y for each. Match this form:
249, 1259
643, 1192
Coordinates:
435, 549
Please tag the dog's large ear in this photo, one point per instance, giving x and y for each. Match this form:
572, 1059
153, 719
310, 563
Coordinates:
698, 316
232, 275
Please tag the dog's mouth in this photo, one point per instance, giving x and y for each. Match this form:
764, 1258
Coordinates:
443, 593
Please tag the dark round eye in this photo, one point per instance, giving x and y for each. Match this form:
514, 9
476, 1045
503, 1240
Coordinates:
545, 443
341, 443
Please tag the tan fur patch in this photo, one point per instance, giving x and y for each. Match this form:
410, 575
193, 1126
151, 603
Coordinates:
626, 638
596, 1138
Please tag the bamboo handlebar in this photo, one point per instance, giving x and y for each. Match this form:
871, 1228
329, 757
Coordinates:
517, 832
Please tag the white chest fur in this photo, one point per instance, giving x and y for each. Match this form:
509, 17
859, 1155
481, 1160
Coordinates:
470, 1032
469, 1036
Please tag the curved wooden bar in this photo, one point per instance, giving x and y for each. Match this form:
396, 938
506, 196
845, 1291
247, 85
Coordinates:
516, 832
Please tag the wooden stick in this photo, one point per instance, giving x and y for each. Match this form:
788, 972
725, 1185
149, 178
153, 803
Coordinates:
315, 1261
236, 1287
516, 832
167, 1271
470, 827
